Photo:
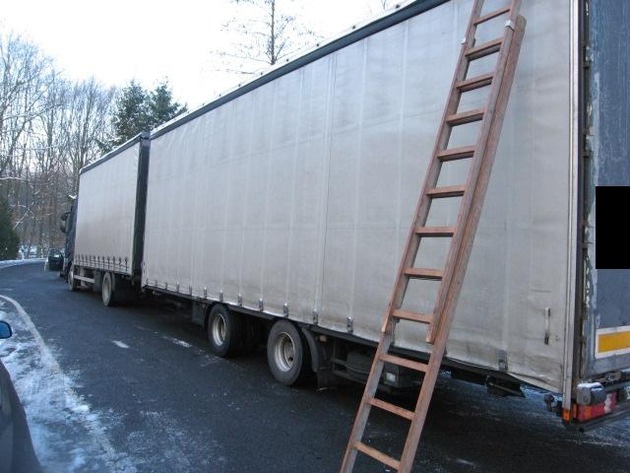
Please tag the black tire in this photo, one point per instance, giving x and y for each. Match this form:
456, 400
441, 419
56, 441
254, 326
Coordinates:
108, 293
287, 353
225, 332
72, 283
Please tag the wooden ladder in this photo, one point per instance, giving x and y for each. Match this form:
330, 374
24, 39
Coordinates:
480, 156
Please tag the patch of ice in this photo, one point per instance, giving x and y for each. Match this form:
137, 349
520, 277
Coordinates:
176, 341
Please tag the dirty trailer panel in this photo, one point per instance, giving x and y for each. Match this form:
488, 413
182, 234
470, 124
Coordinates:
607, 326
296, 196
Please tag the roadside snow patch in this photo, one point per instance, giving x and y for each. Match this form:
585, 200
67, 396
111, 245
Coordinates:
67, 435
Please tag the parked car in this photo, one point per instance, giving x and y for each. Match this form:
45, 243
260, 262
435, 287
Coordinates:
16, 447
55, 259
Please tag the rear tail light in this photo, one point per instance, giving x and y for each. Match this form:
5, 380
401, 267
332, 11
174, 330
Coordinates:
592, 401
584, 413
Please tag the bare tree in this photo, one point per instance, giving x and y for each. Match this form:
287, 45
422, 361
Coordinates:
376, 6
49, 129
22, 70
25, 77
263, 33
89, 110
62, 139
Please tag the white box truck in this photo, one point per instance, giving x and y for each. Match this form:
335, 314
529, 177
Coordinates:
107, 230
279, 210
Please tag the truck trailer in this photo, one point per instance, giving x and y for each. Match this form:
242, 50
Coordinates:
278, 211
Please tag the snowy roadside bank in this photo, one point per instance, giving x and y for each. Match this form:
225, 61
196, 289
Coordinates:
15, 262
68, 435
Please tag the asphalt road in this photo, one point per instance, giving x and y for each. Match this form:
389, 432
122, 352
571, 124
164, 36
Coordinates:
141, 392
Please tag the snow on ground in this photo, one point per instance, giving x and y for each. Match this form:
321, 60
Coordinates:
14, 262
68, 435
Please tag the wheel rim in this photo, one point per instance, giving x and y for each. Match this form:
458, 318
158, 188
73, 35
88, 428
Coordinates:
218, 330
284, 352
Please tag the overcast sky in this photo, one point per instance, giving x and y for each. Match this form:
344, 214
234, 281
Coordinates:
120, 40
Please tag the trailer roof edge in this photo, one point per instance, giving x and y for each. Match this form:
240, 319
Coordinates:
398, 16
116, 151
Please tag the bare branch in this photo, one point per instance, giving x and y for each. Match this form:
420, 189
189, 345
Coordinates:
263, 33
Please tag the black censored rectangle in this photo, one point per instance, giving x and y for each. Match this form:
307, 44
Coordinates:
612, 238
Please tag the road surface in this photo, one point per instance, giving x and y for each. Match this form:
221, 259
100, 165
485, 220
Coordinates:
136, 389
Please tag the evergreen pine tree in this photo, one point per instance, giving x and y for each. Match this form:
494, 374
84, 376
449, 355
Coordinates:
132, 115
9, 241
162, 108
138, 110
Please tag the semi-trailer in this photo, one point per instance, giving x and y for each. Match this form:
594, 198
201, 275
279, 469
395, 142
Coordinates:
278, 211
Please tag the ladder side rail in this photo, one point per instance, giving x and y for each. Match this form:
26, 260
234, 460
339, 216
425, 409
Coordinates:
411, 249
437, 354
484, 155
431, 177
461, 244
371, 386
480, 150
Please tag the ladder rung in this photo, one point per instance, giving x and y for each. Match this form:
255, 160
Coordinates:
468, 116
484, 49
422, 273
414, 365
456, 153
413, 316
435, 231
475, 82
490, 16
396, 410
447, 191
379, 456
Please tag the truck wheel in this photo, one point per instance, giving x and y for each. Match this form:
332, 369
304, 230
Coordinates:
287, 353
72, 283
107, 290
225, 332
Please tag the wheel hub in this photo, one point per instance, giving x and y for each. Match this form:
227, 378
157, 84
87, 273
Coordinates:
285, 352
218, 331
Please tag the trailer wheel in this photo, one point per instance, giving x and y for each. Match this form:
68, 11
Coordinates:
107, 290
225, 332
287, 355
72, 283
